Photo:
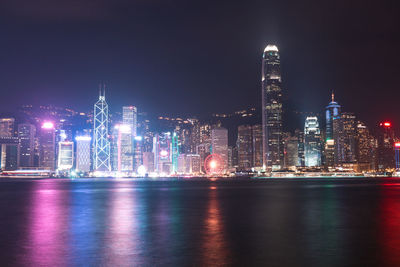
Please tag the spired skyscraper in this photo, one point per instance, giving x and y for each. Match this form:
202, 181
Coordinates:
101, 143
272, 109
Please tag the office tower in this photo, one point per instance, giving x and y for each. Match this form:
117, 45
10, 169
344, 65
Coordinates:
174, 151
6, 127
365, 152
101, 160
124, 148
9, 147
65, 160
332, 112
245, 147
345, 138
26, 136
148, 161
219, 144
194, 163
203, 150
312, 142
137, 152
257, 146
300, 148
204, 133
83, 144
129, 117
291, 146
385, 150
189, 164
272, 109
329, 154
47, 143
162, 149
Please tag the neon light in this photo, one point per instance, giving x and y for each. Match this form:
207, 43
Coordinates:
163, 153
47, 125
397, 144
387, 124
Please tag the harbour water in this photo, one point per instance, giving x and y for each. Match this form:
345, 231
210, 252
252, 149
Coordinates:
186, 222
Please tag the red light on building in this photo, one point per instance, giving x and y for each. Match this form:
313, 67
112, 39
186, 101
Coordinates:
397, 144
386, 124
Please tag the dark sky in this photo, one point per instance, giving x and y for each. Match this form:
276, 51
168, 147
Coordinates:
196, 57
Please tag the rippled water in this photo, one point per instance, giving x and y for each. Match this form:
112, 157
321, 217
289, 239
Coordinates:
271, 222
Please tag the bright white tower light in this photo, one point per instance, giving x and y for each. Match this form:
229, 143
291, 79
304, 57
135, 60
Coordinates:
101, 142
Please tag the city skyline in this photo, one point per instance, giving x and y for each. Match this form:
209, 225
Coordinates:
155, 64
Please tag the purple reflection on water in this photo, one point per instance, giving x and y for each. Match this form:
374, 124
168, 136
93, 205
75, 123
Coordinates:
122, 242
47, 229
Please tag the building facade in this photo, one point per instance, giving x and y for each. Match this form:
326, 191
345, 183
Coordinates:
272, 109
312, 142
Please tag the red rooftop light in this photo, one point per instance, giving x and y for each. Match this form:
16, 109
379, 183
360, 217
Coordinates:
397, 144
386, 124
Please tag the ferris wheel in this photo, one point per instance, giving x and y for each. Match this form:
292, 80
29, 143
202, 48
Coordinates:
214, 164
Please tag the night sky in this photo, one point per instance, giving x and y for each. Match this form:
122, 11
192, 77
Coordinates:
197, 57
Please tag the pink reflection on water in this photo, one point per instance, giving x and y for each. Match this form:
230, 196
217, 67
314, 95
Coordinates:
48, 226
390, 228
214, 245
122, 244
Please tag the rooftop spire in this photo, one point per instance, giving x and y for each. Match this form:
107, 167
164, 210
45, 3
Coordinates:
333, 96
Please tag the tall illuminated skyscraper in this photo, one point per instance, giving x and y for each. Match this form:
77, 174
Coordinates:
83, 153
219, 144
47, 146
101, 161
272, 109
312, 142
26, 136
129, 117
332, 113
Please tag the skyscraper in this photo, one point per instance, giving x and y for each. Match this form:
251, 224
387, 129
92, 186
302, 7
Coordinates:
257, 146
129, 117
385, 151
47, 142
332, 112
83, 153
65, 160
245, 147
26, 136
312, 142
272, 109
101, 143
219, 144
345, 139
9, 147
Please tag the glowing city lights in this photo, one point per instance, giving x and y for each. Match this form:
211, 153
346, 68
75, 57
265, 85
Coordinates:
47, 125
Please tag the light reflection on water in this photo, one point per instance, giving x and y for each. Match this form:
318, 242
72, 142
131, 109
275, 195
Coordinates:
204, 223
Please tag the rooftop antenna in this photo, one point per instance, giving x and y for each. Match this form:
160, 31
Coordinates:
333, 96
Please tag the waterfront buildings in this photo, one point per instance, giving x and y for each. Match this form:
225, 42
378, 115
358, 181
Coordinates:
219, 145
272, 109
47, 143
162, 150
9, 153
26, 136
312, 142
83, 155
101, 143
65, 160
245, 147
345, 137
385, 147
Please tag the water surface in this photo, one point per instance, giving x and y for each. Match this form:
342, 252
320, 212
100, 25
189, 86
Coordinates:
269, 222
